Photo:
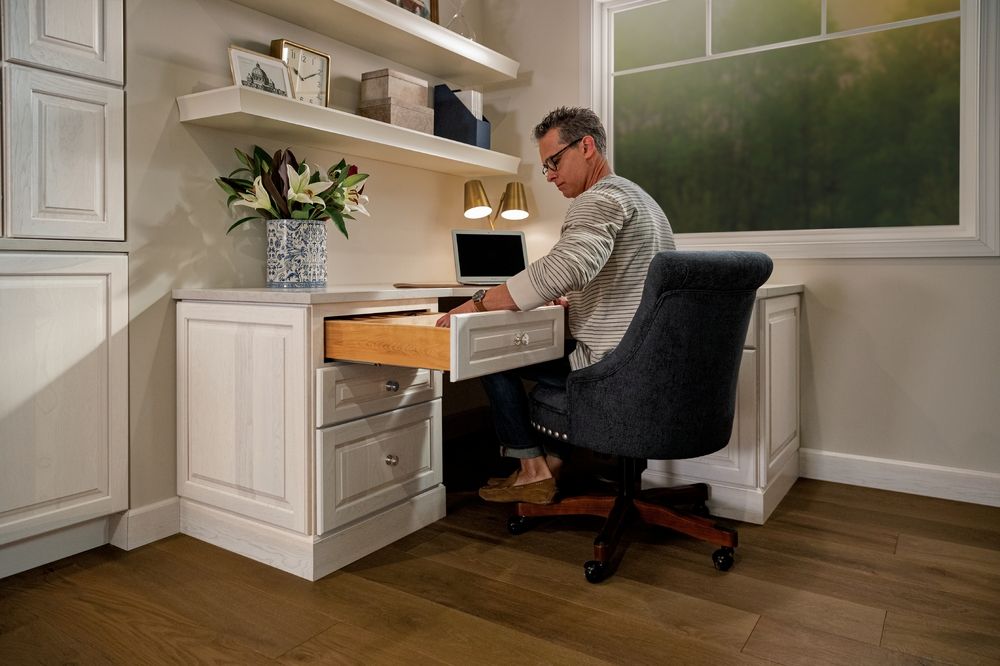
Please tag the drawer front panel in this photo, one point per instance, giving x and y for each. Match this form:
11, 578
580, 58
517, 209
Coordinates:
349, 391
477, 344
491, 342
369, 464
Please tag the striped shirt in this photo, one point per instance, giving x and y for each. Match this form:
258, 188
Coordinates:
607, 240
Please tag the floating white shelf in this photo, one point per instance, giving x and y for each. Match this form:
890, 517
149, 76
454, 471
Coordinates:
257, 113
384, 29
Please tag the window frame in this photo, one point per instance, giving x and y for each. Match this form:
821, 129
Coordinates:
978, 231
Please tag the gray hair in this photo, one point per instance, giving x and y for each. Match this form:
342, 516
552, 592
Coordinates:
573, 123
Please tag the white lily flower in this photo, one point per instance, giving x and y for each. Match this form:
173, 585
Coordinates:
301, 190
258, 199
355, 202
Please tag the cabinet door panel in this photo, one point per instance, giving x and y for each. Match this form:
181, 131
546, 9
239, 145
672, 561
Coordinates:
780, 366
64, 157
63, 390
242, 392
83, 37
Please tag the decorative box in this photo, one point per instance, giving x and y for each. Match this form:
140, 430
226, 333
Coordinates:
453, 120
386, 83
395, 112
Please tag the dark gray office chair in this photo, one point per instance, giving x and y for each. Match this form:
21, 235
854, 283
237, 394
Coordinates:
668, 391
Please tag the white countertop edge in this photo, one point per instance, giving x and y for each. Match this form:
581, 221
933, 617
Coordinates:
357, 293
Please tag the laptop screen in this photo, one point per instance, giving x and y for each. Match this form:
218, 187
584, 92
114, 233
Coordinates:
488, 257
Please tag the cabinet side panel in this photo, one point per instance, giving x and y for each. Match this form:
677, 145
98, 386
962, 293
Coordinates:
242, 398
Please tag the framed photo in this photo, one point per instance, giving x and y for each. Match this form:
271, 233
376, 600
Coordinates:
308, 69
427, 9
259, 71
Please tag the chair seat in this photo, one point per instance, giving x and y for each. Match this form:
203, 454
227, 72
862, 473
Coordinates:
550, 412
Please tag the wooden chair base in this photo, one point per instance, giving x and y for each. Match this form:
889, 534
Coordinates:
654, 507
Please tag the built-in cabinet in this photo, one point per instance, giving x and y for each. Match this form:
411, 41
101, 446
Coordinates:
293, 448
761, 462
63, 312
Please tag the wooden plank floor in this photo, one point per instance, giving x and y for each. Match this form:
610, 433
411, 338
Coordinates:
838, 575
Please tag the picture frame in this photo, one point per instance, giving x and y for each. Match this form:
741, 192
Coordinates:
262, 72
427, 9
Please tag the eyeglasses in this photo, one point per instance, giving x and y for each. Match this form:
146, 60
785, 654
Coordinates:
551, 163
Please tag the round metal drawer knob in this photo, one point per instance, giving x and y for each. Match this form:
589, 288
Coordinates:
391, 460
392, 386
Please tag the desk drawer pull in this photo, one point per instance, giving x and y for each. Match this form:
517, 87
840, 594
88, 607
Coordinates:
391, 460
521, 339
392, 386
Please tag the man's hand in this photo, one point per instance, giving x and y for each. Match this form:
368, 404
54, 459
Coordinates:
445, 320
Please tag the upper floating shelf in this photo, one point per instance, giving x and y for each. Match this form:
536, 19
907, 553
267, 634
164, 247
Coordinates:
248, 111
386, 30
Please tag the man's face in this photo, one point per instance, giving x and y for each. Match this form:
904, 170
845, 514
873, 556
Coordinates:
570, 172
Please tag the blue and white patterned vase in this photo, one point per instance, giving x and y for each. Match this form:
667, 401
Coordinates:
296, 253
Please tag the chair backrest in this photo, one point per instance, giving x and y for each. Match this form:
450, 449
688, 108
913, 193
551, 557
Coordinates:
668, 391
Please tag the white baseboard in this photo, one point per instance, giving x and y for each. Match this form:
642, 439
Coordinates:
953, 483
146, 524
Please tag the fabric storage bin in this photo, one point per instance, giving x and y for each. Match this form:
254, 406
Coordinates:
395, 112
386, 83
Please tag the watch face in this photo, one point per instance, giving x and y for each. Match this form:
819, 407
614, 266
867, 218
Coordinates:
309, 75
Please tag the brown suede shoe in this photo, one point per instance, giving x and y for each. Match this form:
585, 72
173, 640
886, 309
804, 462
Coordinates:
502, 481
539, 492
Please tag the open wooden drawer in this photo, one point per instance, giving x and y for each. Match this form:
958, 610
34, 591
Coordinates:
476, 344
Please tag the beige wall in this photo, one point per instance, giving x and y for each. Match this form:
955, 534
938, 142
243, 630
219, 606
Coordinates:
899, 356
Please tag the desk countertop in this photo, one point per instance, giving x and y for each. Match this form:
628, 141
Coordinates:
373, 292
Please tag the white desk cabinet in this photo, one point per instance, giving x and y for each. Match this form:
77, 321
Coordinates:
63, 398
761, 462
306, 463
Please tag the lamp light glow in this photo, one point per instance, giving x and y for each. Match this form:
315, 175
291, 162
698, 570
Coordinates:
477, 204
514, 202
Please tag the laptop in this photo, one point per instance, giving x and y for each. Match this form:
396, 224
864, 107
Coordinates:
482, 258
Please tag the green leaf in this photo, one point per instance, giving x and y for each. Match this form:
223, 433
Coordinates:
338, 219
241, 221
357, 178
226, 187
300, 214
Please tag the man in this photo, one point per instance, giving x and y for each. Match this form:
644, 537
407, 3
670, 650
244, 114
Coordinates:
597, 269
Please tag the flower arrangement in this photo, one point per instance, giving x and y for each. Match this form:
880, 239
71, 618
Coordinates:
279, 187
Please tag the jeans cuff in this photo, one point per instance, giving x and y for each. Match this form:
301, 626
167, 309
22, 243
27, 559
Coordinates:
529, 452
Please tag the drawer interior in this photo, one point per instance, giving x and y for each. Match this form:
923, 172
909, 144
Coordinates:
408, 339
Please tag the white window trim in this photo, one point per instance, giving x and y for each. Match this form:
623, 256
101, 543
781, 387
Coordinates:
978, 230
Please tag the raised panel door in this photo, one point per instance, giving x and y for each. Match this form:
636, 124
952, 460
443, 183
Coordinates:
780, 384
63, 390
83, 37
64, 169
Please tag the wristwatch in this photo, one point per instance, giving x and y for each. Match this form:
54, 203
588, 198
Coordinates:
477, 300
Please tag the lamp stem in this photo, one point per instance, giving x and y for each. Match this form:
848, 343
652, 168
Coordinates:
497, 212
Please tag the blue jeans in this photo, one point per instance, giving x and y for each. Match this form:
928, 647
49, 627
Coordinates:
511, 413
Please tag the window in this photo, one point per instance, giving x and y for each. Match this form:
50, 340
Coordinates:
808, 128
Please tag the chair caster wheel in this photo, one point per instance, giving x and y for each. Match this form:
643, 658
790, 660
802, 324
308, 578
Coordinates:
723, 559
518, 525
595, 571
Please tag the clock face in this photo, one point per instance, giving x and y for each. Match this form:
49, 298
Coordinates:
309, 75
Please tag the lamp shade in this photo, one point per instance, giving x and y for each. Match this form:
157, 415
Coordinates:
477, 204
514, 203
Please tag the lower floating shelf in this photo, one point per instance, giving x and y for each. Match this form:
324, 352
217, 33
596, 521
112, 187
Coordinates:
248, 111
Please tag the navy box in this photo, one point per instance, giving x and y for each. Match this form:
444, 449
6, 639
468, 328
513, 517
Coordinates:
453, 121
